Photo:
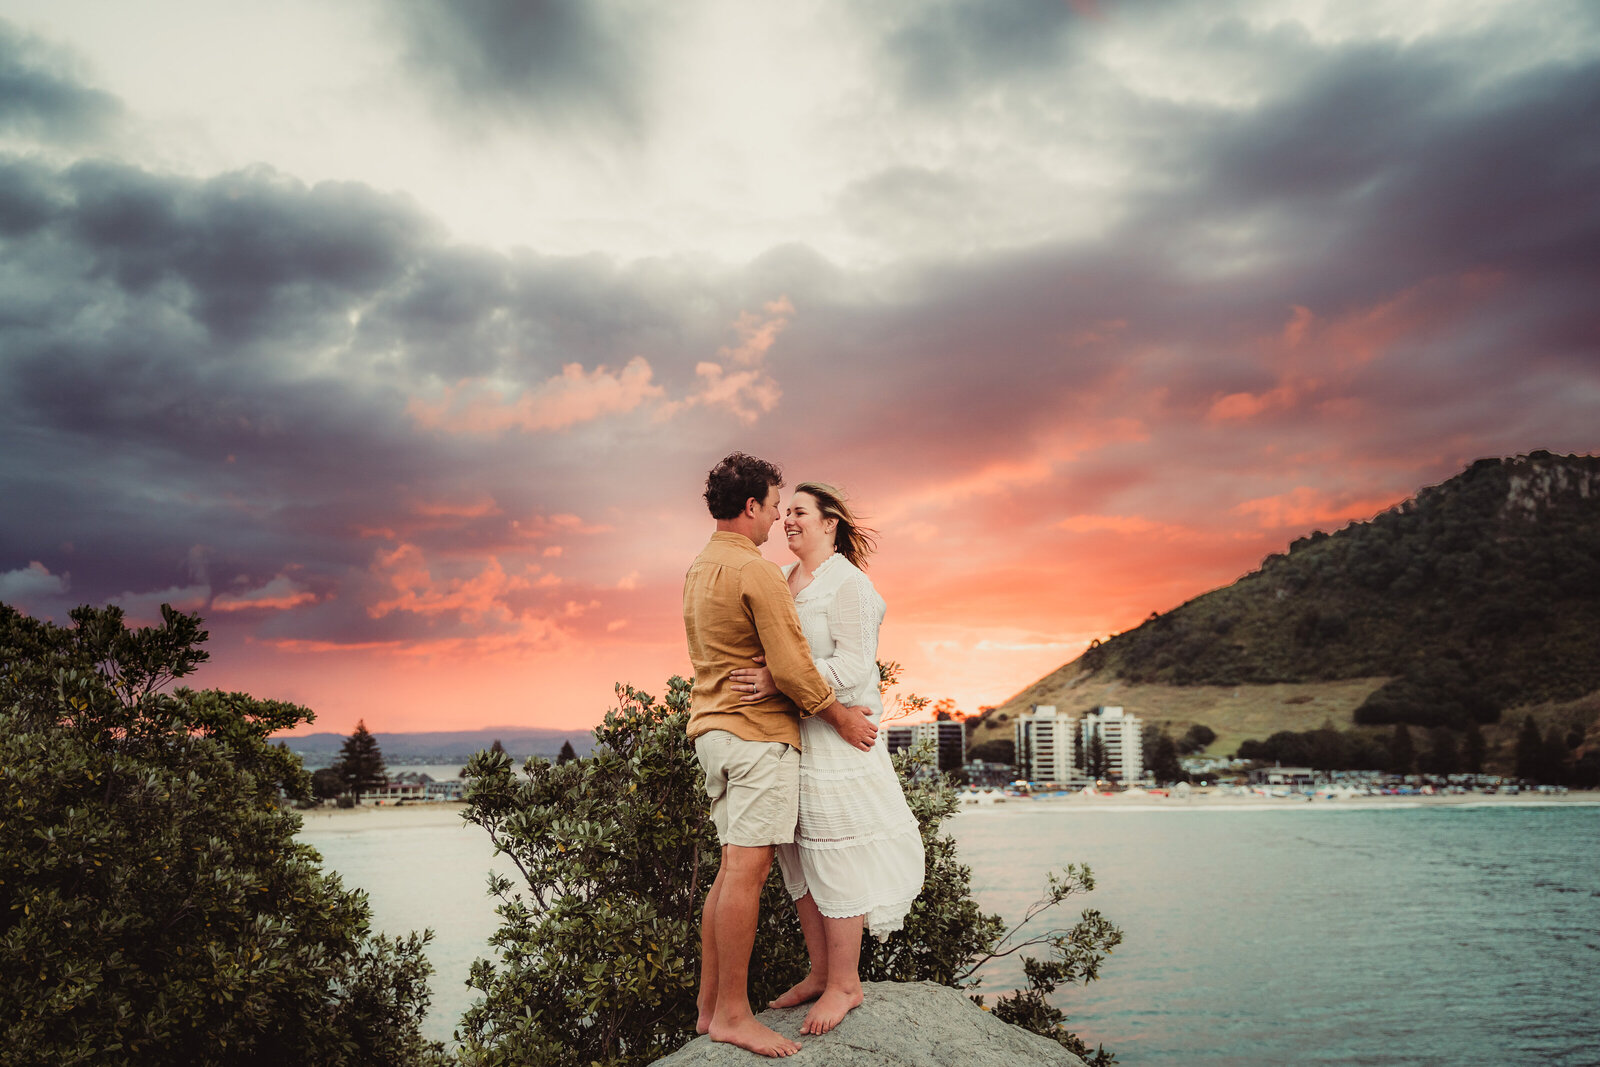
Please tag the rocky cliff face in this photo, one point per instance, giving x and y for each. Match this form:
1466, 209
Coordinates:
914, 1024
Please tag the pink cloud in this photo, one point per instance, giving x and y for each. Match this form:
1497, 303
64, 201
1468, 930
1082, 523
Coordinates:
572, 397
280, 594
1304, 507
471, 597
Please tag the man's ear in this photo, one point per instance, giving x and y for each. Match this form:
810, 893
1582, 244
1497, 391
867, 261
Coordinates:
752, 507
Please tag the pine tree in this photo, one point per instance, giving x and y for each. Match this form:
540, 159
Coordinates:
1164, 766
1530, 749
567, 753
1476, 749
1402, 752
1096, 757
1444, 757
360, 764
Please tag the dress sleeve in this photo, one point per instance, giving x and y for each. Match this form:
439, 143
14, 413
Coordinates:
853, 622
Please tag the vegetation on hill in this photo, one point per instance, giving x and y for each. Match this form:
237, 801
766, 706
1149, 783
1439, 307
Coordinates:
159, 909
1479, 594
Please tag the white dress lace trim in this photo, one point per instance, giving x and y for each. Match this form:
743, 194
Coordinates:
857, 850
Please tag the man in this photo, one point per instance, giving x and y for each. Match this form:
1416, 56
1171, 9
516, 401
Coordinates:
736, 607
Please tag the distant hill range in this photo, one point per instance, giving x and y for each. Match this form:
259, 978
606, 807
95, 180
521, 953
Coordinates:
445, 746
1477, 596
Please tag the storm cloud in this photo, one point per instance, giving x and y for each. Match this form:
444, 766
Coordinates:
1120, 330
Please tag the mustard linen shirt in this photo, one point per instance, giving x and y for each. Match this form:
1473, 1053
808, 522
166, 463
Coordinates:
736, 606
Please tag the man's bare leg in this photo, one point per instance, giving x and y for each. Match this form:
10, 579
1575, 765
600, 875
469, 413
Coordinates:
707, 999
743, 873
843, 991
811, 986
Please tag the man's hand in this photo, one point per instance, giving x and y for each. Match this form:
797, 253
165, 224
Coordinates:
852, 723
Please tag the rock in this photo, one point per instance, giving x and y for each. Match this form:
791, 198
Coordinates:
912, 1024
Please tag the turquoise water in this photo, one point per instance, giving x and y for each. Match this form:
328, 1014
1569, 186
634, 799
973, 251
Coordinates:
1307, 935
1321, 935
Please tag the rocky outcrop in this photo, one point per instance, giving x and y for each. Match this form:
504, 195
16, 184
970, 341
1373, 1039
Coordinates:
915, 1024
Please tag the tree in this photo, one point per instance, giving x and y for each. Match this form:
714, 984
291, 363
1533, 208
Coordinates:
161, 909
1402, 751
1475, 749
1164, 765
326, 783
1198, 738
360, 764
567, 753
598, 950
1530, 750
1098, 762
1444, 757
1000, 750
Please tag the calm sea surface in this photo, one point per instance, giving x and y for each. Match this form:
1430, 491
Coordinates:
1315, 935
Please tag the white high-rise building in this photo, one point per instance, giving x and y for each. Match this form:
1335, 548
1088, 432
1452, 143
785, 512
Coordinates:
1044, 739
1119, 734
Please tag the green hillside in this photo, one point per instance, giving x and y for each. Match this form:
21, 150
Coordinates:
1477, 596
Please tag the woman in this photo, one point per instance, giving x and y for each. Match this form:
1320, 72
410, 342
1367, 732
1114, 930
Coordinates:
857, 856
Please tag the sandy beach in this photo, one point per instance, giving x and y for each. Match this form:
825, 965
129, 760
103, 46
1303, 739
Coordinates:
448, 813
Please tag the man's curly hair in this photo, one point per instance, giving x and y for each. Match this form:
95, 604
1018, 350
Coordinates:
735, 480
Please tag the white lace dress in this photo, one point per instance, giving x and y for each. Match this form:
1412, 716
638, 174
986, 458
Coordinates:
857, 849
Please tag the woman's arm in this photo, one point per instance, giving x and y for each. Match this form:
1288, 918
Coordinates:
853, 624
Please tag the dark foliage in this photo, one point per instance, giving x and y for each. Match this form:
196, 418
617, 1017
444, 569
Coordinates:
158, 907
360, 764
1000, 750
599, 944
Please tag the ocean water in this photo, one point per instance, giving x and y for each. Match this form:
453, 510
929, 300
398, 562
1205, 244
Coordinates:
1311, 935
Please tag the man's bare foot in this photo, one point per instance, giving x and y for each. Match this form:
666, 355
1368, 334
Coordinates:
829, 1010
808, 988
752, 1035
702, 1025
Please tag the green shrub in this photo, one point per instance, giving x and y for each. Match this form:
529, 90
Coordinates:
599, 946
155, 907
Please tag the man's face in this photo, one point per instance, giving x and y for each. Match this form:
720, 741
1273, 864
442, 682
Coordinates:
766, 515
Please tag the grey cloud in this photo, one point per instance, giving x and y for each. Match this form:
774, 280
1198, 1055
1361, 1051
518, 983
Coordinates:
41, 98
945, 51
567, 61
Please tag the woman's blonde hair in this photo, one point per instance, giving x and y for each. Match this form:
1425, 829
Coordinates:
851, 539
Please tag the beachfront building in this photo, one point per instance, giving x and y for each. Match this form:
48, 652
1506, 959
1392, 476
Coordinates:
1285, 777
1045, 746
1118, 733
948, 737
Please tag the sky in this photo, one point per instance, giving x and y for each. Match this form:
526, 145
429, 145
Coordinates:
396, 338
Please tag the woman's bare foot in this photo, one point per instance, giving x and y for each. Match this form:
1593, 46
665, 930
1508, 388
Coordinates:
830, 1009
702, 1025
808, 988
752, 1035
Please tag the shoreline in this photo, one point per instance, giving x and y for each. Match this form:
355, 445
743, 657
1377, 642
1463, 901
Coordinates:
448, 813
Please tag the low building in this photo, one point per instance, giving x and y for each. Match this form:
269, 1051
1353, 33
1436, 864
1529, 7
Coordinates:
948, 737
449, 789
1285, 777
989, 774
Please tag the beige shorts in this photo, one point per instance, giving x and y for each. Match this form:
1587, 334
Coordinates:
754, 788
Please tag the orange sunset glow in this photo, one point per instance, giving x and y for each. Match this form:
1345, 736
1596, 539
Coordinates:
402, 358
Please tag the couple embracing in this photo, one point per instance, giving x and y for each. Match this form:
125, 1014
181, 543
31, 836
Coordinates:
784, 717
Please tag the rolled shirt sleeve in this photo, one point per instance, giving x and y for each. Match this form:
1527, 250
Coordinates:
771, 608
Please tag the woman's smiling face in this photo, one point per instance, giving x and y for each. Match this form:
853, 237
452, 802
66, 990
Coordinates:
805, 528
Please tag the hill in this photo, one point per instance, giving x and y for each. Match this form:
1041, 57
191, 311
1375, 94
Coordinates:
1475, 597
